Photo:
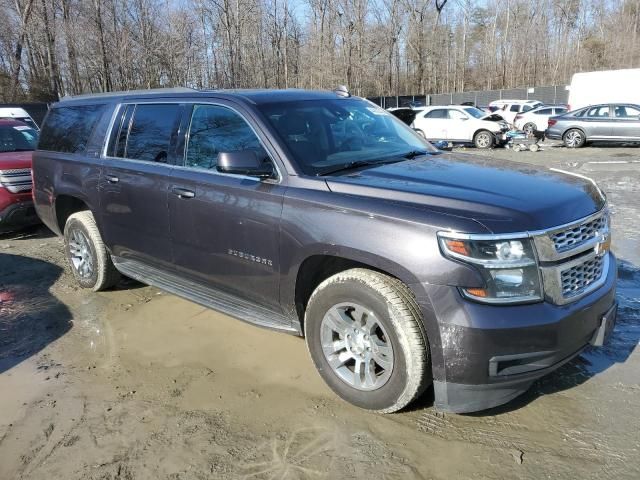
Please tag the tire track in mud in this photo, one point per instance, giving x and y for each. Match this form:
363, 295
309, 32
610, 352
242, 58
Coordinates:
570, 444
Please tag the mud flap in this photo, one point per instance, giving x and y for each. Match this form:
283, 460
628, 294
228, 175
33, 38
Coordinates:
603, 332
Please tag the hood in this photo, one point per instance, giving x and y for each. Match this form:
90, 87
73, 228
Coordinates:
493, 117
11, 160
502, 195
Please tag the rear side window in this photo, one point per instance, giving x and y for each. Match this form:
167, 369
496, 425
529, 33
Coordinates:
68, 129
544, 111
150, 129
438, 113
216, 129
515, 108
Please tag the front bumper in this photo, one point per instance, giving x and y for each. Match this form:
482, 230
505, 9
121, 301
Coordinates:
485, 355
18, 215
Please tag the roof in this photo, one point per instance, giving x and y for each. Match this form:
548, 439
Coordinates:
255, 96
13, 112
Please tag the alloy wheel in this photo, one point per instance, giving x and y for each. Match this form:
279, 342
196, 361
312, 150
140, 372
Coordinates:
356, 346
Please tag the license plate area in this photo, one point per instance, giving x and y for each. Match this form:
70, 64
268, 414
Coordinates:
607, 323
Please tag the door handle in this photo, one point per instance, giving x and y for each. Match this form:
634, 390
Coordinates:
183, 192
112, 178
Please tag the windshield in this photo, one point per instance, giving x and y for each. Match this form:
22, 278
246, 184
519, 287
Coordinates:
323, 134
475, 112
17, 138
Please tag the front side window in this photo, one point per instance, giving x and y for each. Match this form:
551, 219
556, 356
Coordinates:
475, 112
325, 134
17, 138
600, 111
152, 126
216, 129
457, 115
67, 129
543, 111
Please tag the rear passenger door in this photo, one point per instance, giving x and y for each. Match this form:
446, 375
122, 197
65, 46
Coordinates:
135, 182
225, 228
626, 122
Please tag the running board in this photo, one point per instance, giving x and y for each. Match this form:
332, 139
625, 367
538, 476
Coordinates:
207, 297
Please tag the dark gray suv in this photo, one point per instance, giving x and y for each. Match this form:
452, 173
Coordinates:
322, 215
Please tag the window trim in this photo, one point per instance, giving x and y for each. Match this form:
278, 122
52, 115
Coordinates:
179, 157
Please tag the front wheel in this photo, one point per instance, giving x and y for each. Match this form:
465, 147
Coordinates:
365, 335
87, 255
574, 138
483, 139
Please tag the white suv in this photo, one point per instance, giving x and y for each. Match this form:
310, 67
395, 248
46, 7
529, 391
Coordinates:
460, 124
508, 109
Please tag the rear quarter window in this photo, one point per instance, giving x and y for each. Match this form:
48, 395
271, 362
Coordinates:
68, 129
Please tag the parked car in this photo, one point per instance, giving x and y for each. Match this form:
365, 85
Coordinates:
20, 114
325, 216
459, 124
508, 109
603, 123
611, 86
17, 143
536, 121
406, 114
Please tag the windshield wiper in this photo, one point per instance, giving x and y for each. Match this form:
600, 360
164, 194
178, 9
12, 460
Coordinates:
418, 153
353, 165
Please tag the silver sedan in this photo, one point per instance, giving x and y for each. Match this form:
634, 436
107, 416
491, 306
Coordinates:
603, 123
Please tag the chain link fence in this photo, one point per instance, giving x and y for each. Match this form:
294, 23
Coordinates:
555, 94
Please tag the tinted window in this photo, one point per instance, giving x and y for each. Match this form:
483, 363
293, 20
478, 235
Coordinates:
67, 129
625, 111
17, 138
543, 111
439, 113
150, 132
515, 108
560, 111
216, 129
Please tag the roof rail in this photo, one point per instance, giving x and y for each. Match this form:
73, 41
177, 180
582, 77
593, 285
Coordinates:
128, 92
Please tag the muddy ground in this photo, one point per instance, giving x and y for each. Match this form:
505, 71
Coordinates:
138, 384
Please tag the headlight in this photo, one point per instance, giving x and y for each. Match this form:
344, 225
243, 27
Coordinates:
508, 267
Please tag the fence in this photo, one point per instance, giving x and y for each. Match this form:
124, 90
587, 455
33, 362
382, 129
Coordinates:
557, 94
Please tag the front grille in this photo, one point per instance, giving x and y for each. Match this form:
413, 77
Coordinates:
579, 234
16, 180
578, 278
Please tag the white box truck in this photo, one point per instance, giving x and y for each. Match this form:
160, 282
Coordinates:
610, 86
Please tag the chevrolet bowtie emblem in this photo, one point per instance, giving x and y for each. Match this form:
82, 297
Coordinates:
604, 245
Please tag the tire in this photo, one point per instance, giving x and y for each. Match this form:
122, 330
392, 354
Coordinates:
534, 147
529, 128
88, 258
574, 138
483, 139
384, 325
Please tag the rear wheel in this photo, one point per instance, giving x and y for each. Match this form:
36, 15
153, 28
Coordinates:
365, 335
574, 138
483, 139
87, 255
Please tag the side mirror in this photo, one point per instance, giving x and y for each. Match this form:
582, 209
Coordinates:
245, 162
